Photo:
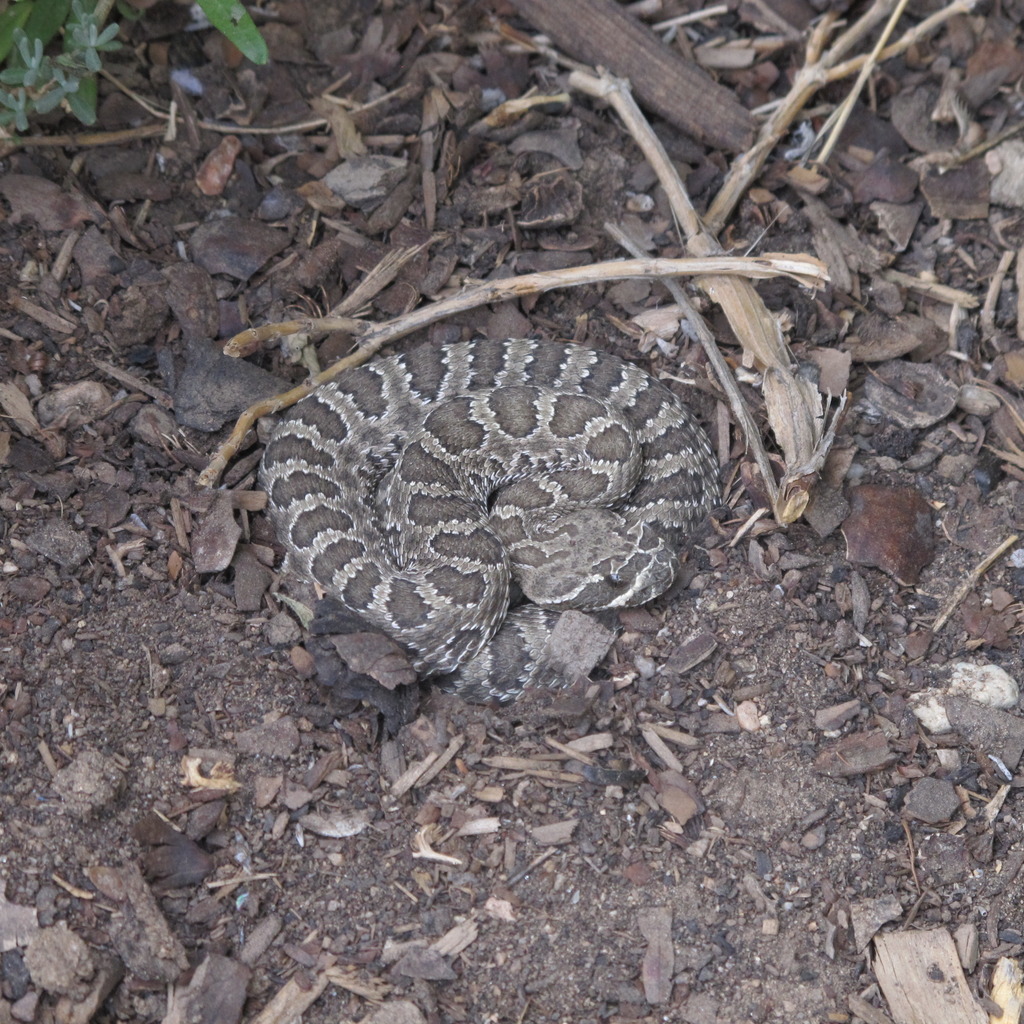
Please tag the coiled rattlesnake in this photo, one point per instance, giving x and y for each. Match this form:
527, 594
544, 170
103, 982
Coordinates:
424, 490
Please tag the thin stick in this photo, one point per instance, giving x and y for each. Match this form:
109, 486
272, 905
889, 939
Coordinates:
976, 573
742, 415
819, 68
372, 337
837, 122
995, 286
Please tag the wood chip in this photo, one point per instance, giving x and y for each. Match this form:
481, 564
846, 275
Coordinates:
921, 977
601, 33
556, 834
655, 924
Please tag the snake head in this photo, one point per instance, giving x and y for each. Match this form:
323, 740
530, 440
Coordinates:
590, 559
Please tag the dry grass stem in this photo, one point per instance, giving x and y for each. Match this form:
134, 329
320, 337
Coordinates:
795, 412
820, 67
837, 122
371, 337
968, 584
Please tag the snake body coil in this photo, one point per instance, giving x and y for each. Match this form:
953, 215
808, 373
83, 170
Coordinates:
425, 490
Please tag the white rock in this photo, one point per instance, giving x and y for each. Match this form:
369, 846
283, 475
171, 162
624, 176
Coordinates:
747, 716
928, 709
988, 685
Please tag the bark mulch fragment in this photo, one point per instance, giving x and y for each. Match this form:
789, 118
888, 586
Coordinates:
139, 931
215, 536
890, 528
236, 247
215, 994
601, 33
171, 860
920, 975
655, 924
857, 754
213, 388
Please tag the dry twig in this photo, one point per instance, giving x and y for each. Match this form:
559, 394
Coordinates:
819, 69
968, 584
794, 406
372, 337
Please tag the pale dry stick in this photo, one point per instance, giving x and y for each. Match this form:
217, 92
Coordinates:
794, 407
837, 122
697, 323
818, 70
1019, 278
293, 998
932, 289
371, 337
383, 273
757, 330
976, 573
909, 38
995, 286
959, 159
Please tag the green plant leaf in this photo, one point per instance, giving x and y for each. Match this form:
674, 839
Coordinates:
46, 19
49, 100
11, 19
83, 101
232, 19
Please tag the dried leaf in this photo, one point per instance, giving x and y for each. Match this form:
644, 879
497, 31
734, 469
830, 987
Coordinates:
796, 413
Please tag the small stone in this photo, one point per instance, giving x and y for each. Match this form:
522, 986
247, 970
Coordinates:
25, 1008
828, 719
977, 401
424, 963
988, 685
928, 710
815, 839
89, 783
577, 643
282, 629
60, 542
272, 739
153, 425
645, 666
303, 662
73, 406
955, 468
931, 801
366, 181
173, 654
748, 716
398, 1011
235, 246
59, 961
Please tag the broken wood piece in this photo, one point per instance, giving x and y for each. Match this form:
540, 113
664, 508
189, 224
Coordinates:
922, 980
655, 924
601, 33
